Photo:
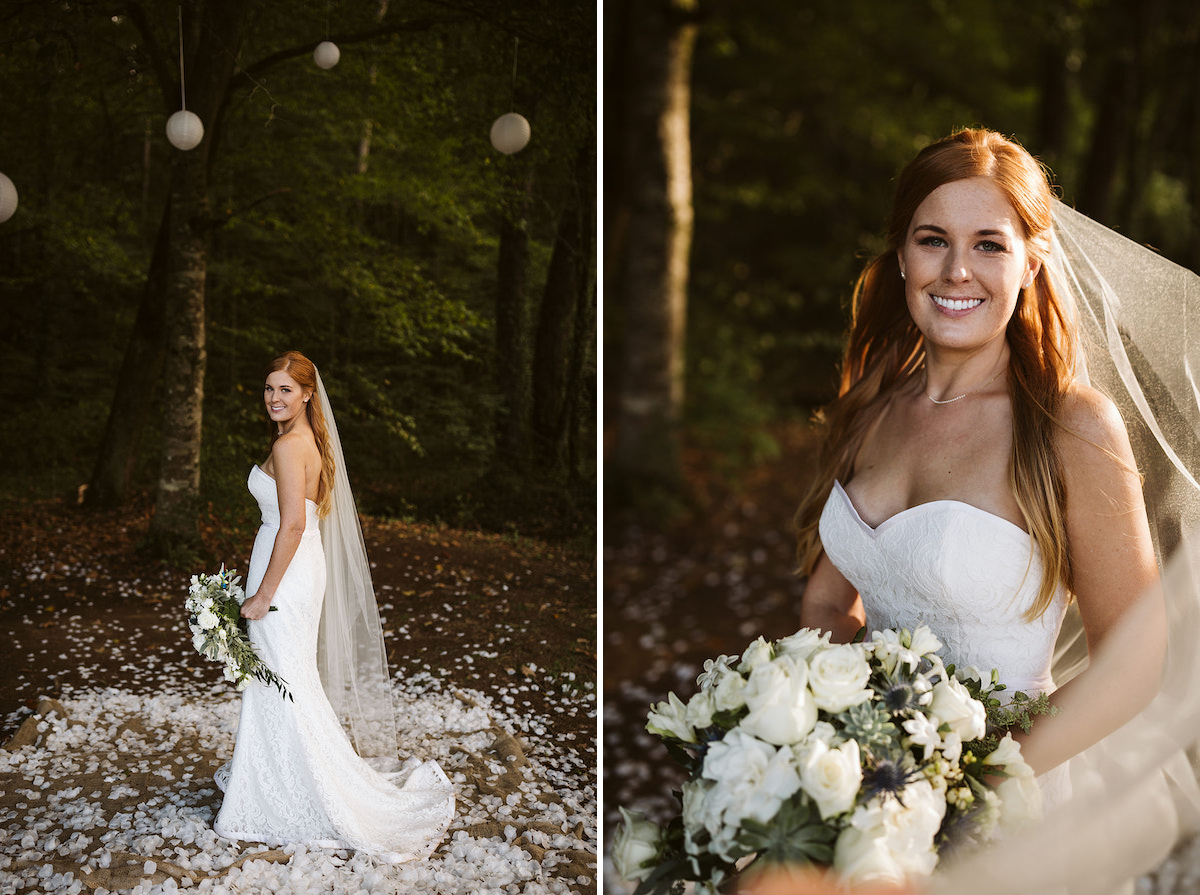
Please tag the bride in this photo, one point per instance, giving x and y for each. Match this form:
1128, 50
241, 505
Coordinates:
974, 482
295, 776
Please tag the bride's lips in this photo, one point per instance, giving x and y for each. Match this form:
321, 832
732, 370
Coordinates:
956, 307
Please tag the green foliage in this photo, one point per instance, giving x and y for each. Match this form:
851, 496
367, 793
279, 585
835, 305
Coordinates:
801, 117
795, 836
355, 216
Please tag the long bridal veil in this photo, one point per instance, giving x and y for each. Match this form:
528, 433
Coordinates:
350, 647
1135, 792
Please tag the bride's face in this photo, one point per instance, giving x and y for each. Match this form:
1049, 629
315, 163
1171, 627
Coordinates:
965, 261
284, 398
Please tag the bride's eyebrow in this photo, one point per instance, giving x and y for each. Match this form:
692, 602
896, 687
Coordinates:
934, 228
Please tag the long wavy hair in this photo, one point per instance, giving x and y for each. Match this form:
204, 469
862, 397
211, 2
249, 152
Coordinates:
885, 348
304, 371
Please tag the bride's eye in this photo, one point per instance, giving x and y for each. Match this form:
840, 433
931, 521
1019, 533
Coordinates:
936, 242
989, 246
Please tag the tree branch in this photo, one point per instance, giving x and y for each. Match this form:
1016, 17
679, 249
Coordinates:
246, 208
164, 71
248, 77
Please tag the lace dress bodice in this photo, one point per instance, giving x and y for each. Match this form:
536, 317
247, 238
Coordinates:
965, 573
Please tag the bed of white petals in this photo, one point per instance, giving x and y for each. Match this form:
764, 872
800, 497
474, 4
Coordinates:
116, 795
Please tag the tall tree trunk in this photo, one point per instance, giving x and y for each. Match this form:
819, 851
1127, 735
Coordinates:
141, 370
581, 389
211, 65
512, 338
1054, 105
1097, 196
657, 168
552, 348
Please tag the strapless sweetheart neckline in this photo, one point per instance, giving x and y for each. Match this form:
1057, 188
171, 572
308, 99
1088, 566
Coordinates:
920, 508
272, 478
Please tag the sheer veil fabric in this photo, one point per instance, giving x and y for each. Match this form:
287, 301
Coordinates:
350, 650
1135, 792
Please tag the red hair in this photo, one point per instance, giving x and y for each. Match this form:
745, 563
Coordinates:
304, 372
885, 347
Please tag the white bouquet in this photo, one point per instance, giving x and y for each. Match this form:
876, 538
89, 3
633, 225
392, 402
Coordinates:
220, 633
869, 758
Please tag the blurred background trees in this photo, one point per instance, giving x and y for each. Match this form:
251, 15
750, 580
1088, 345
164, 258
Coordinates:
358, 214
801, 116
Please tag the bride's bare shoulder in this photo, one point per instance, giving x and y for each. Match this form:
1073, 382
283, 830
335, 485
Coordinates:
1093, 432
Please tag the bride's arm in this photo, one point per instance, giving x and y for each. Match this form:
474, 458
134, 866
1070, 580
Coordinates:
1114, 568
287, 456
830, 603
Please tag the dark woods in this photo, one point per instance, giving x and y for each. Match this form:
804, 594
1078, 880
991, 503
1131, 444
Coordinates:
359, 214
796, 118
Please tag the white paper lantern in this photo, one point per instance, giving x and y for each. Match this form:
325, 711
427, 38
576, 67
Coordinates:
185, 130
327, 54
8, 198
510, 133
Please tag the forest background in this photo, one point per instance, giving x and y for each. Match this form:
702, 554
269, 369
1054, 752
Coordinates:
750, 152
358, 214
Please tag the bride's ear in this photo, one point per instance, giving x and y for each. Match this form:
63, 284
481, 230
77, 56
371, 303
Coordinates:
1035, 267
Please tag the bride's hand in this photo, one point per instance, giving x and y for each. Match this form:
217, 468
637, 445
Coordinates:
256, 607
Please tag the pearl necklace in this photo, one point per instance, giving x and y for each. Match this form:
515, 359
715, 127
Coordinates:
966, 394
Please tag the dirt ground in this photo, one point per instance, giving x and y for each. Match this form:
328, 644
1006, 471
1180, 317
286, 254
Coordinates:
81, 607
672, 599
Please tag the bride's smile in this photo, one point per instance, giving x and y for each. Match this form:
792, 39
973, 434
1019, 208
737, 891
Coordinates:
965, 262
283, 396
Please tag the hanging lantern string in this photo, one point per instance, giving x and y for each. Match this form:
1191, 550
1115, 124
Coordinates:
182, 87
516, 46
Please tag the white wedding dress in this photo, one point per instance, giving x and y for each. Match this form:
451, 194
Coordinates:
966, 574
294, 776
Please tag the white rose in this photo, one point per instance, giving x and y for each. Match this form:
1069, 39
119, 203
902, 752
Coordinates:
838, 678
782, 709
635, 845
801, 645
753, 778
1020, 800
198, 641
911, 829
756, 654
700, 709
729, 694
206, 620
831, 776
670, 719
697, 814
953, 705
823, 731
862, 856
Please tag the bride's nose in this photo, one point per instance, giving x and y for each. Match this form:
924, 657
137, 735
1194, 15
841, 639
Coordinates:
955, 268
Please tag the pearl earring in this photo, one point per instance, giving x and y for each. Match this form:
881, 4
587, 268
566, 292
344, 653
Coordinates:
902, 275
